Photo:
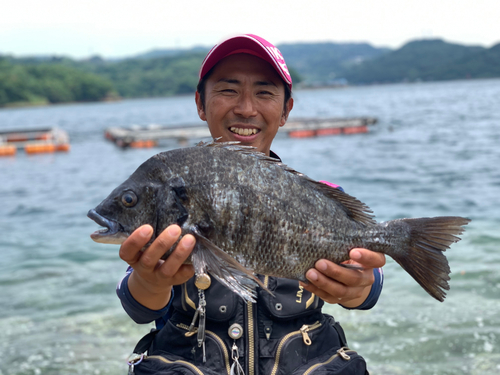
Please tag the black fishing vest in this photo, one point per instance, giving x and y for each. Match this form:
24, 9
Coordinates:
282, 334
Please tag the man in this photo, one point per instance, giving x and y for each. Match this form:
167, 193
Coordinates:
244, 94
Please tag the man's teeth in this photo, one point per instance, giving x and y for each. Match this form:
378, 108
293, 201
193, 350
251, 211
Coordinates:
241, 131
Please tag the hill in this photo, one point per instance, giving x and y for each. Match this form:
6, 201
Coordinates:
428, 60
309, 62
32, 81
53, 79
173, 74
322, 63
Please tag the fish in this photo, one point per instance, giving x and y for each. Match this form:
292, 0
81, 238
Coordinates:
252, 214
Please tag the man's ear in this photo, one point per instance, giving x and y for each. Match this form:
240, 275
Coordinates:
286, 111
199, 106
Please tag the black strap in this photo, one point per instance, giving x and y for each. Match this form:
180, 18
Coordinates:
145, 343
339, 329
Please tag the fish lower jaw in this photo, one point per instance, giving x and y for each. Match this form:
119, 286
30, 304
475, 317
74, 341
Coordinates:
243, 131
105, 236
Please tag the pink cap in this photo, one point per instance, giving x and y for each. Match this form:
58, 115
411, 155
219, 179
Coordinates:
251, 44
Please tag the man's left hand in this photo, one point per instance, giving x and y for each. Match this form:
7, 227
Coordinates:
337, 284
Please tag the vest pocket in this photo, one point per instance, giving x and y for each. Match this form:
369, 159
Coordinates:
173, 345
315, 348
290, 300
223, 302
295, 348
343, 361
162, 365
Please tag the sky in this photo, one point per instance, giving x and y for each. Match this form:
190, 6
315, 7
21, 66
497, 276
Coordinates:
121, 28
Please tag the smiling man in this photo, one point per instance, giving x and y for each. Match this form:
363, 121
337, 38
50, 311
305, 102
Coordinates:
244, 94
244, 99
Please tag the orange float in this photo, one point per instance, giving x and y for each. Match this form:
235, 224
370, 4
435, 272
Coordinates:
143, 144
329, 131
356, 130
39, 148
8, 150
302, 133
64, 147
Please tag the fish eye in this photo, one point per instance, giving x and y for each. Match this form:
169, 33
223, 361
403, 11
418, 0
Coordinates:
129, 199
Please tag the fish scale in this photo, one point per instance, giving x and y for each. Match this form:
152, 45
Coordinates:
252, 214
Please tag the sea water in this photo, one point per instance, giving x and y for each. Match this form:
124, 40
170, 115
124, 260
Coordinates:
434, 151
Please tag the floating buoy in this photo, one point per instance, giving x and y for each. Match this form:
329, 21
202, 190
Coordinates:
143, 144
64, 147
8, 150
356, 129
329, 131
302, 133
39, 148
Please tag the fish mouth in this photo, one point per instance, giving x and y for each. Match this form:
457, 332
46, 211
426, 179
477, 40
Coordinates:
112, 233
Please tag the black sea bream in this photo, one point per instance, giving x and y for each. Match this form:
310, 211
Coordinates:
252, 214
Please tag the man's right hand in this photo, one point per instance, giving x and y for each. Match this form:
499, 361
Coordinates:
152, 279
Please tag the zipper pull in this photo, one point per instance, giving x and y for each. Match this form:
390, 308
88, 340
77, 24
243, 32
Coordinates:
133, 360
191, 329
236, 368
304, 329
202, 322
343, 354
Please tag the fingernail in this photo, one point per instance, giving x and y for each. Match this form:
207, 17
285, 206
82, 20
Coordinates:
321, 265
174, 230
188, 241
145, 231
355, 255
312, 275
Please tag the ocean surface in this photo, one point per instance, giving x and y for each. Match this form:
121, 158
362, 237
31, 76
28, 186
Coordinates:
434, 151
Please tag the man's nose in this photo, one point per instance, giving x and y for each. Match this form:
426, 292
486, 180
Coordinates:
245, 107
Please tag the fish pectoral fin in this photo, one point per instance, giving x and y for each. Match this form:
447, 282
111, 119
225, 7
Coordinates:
352, 266
179, 187
227, 270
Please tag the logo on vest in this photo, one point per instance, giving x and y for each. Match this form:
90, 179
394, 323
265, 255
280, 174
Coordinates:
299, 294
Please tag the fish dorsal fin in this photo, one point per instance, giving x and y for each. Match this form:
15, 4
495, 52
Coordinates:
355, 209
236, 146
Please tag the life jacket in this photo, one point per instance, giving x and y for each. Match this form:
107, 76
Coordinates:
281, 334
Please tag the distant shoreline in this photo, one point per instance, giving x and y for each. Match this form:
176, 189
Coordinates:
17, 105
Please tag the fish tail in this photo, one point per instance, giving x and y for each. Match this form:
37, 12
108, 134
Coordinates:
423, 256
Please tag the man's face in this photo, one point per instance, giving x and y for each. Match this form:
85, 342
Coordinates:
244, 99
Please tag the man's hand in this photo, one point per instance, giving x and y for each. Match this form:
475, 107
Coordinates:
337, 284
152, 279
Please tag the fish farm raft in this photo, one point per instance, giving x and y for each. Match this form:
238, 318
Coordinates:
33, 141
149, 136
